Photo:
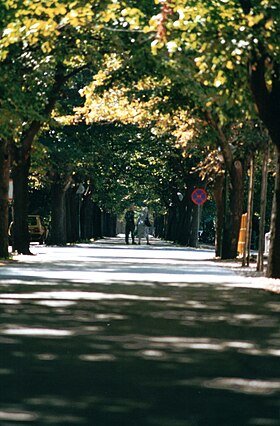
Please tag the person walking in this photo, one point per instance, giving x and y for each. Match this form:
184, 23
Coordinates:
143, 226
129, 224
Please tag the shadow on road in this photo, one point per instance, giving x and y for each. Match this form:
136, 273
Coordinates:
123, 352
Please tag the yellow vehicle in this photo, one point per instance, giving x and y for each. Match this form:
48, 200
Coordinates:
37, 230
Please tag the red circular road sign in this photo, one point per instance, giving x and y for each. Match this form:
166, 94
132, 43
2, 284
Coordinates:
199, 196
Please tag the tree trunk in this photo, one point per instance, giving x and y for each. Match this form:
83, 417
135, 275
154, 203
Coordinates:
267, 102
58, 234
171, 223
4, 205
97, 221
109, 224
233, 212
189, 230
87, 211
262, 210
71, 216
21, 157
181, 228
273, 268
182, 220
218, 193
20, 175
248, 236
159, 225
233, 207
194, 225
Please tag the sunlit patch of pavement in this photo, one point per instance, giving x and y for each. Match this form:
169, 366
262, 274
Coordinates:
106, 262
105, 334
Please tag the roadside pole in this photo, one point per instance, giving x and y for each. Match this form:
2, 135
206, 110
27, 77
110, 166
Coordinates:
11, 209
79, 192
199, 197
263, 210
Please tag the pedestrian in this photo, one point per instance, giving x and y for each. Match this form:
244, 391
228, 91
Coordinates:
129, 224
143, 226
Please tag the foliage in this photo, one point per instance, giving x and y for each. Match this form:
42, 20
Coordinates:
137, 169
215, 41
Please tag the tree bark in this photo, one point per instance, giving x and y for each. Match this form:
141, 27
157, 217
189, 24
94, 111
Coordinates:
21, 158
4, 203
159, 225
233, 207
218, 194
20, 175
97, 221
171, 223
267, 102
87, 211
262, 210
189, 232
273, 268
181, 226
109, 224
234, 212
194, 225
248, 237
58, 234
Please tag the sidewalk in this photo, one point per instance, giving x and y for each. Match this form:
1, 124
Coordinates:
255, 279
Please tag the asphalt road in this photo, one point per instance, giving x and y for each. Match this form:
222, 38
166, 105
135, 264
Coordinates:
113, 335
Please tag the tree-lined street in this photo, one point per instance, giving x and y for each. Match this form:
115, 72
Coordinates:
140, 102
108, 334
167, 110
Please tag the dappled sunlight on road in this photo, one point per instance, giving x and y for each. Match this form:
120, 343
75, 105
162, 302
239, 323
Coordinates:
112, 263
79, 350
248, 386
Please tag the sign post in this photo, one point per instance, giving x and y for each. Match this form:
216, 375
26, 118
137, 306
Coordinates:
11, 191
79, 192
199, 196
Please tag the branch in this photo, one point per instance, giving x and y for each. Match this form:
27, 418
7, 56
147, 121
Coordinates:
75, 72
227, 153
246, 6
59, 81
267, 101
123, 30
30, 134
258, 86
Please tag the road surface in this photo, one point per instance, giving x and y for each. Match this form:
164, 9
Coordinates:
113, 335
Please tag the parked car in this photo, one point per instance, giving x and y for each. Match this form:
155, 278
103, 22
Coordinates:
36, 228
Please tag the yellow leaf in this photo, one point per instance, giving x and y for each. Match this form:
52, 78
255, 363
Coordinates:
61, 10
147, 29
253, 20
269, 24
229, 65
220, 79
46, 47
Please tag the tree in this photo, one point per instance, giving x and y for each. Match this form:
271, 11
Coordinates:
44, 45
196, 96
4, 188
231, 44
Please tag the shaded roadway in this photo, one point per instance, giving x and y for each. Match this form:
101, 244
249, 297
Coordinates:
107, 334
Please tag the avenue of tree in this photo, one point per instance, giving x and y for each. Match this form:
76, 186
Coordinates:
140, 102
